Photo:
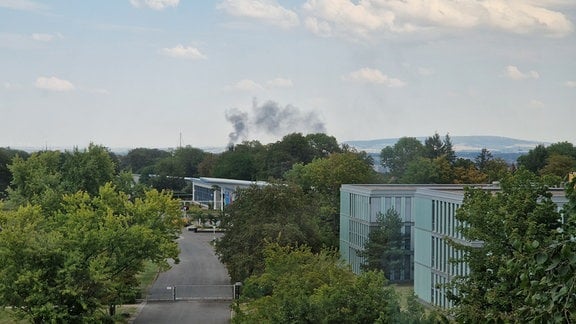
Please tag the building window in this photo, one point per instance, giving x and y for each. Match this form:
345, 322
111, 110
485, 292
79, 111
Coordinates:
408, 209
433, 215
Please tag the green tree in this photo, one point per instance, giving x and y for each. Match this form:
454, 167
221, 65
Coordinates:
274, 213
64, 265
435, 148
465, 171
535, 159
559, 165
423, 170
547, 276
6, 156
508, 226
87, 170
325, 176
562, 148
189, 159
497, 169
139, 158
482, 159
236, 163
45, 176
396, 158
36, 180
206, 166
322, 145
300, 286
384, 250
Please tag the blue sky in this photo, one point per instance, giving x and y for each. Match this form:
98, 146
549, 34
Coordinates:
145, 73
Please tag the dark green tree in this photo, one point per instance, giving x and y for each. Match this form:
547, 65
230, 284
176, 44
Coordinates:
189, 158
236, 163
139, 158
435, 148
535, 160
275, 213
322, 145
6, 156
384, 249
396, 158
562, 148
482, 159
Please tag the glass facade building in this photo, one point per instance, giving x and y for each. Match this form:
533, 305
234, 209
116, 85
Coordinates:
428, 214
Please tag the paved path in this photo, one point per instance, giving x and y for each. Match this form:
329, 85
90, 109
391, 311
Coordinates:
198, 266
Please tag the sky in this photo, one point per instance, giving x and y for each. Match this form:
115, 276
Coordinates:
164, 73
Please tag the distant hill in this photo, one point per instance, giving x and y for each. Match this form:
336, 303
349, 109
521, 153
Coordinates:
495, 144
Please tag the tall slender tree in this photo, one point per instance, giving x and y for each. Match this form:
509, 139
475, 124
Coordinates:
384, 249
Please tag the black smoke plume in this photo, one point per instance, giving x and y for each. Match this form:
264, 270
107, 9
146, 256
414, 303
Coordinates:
271, 119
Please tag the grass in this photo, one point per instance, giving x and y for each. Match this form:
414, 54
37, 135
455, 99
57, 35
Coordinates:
147, 277
403, 291
6, 318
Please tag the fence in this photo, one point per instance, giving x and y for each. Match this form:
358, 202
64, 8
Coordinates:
197, 292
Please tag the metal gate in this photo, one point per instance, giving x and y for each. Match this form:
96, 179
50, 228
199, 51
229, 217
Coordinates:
196, 292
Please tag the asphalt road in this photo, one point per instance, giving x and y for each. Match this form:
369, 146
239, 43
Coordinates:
200, 279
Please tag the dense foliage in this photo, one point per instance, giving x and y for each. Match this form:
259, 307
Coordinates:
410, 161
72, 242
323, 177
300, 286
524, 269
6, 156
554, 161
275, 213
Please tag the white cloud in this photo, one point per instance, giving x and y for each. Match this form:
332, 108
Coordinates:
24, 5
246, 85
512, 72
523, 18
279, 83
265, 10
347, 17
374, 18
318, 27
43, 37
570, 84
182, 52
155, 4
251, 85
374, 76
53, 84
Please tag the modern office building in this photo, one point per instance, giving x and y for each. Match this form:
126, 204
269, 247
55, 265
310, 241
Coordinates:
216, 193
428, 213
360, 206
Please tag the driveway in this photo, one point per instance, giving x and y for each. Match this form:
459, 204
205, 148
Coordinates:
199, 271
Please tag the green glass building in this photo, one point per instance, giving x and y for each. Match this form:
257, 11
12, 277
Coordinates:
428, 214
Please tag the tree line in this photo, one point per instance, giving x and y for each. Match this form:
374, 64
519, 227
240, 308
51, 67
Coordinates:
75, 233
91, 191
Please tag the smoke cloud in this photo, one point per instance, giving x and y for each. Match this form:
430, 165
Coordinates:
271, 119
